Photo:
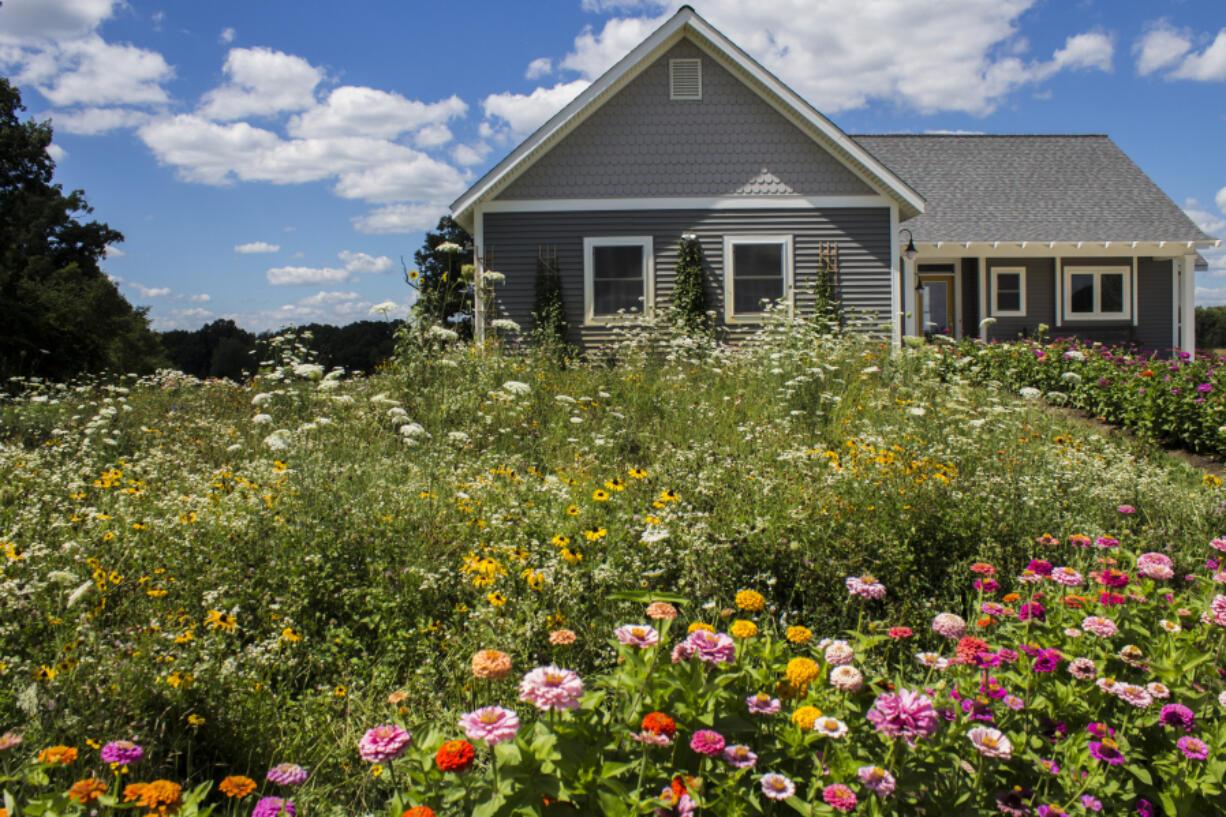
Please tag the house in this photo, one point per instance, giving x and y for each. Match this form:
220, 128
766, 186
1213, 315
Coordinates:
688, 136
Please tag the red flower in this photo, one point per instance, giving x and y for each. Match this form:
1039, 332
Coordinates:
969, 649
984, 568
657, 723
455, 756
901, 632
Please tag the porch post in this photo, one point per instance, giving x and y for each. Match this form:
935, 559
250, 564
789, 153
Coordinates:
1187, 339
478, 277
897, 327
983, 297
1060, 291
908, 296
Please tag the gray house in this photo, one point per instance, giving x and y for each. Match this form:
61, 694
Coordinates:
688, 135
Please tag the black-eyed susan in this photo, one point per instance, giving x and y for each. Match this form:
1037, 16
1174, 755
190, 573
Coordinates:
572, 510
496, 599
616, 484
572, 555
217, 620
595, 534
637, 473
669, 496
290, 635
600, 495
560, 541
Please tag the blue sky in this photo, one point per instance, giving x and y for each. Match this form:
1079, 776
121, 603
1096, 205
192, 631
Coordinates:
272, 161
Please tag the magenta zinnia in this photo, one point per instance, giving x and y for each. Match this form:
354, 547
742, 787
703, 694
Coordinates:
121, 752
877, 779
492, 724
287, 774
550, 688
383, 743
710, 648
908, 714
273, 806
707, 742
839, 797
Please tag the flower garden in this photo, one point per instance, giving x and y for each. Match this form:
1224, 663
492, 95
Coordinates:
802, 574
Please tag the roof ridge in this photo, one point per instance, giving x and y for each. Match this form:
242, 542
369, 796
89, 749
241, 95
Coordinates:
989, 135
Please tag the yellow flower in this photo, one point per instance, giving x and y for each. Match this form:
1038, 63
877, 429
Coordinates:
376, 770
599, 495
615, 484
217, 620
801, 671
195, 720
798, 635
594, 534
291, 635
572, 510
496, 599
743, 629
750, 600
573, 556
560, 541
669, 496
156, 593
534, 578
695, 626
414, 275
339, 692
637, 473
806, 716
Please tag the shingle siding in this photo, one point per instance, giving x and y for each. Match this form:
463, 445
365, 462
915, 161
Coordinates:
513, 241
640, 143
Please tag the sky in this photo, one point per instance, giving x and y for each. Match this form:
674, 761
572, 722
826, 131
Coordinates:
274, 162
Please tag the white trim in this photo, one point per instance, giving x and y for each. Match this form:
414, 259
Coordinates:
478, 276
983, 296
1071, 249
672, 78
770, 88
958, 329
911, 312
1124, 314
1176, 266
1187, 338
1020, 312
649, 283
954, 308
1136, 302
1059, 282
683, 203
896, 304
789, 274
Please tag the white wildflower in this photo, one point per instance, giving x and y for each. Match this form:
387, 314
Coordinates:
413, 430
308, 371
505, 325
516, 387
383, 308
261, 399
442, 333
279, 440
1029, 392
493, 277
261, 419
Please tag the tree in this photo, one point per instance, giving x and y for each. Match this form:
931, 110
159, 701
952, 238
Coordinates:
690, 289
61, 315
443, 295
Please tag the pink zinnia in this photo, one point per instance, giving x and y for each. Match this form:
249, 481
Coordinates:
287, 774
949, 625
1218, 543
1193, 748
637, 635
1099, 626
1066, 576
492, 724
1155, 566
1106, 542
762, 704
710, 648
707, 742
383, 743
1135, 695
991, 742
549, 688
878, 780
777, 787
839, 797
273, 807
122, 752
1082, 668
908, 714
740, 756
866, 587
1217, 610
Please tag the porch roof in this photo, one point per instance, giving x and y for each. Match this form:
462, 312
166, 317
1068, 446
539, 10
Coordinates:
1030, 188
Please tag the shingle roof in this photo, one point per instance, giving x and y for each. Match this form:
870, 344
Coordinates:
1029, 188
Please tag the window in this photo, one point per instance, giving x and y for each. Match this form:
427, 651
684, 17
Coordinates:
617, 275
685, 79
1008, 292
757, 268
1097, 293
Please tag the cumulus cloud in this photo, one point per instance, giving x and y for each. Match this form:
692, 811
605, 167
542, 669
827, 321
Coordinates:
256, 247
226, 36
517, 115
358, 111
328, 297
89, 121
57, 153
52, 19
1161, 46
360, 262
400, 218
149, 292
261, 82
432, 136
465, 155
1212, 223
1220, 199
539, 67
1208, 65
413, 176
93, 71
594, 53
293, 276
200, 298
111, 251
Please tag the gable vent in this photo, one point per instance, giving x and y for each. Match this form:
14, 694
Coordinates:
685, 79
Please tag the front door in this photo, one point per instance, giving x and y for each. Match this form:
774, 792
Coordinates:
935, 299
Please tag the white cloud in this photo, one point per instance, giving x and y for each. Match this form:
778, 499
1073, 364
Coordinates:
1212, 223
465, 155
841, 56
325, 297
57, 153
53, 19
1210, 296
523, 113
1161, 46
292, 276
432, 136
111, 251
149, 292
201, 298
262, 82
89, 121
415, 176
189, 318
92, 71
226, 36
539, 67
358, 111
256, 247
360, 262
1220, 199
400, 218
1208, 65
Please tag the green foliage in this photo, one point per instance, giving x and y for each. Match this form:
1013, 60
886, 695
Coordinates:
689, 306
549, 325
826, 307
443, 293
1211, 327
62, 315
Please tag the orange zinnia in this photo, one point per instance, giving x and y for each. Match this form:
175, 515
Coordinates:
419, 811
237, 786
160, 796
58, 754
87, 790
657, 723
491, 664
455, 756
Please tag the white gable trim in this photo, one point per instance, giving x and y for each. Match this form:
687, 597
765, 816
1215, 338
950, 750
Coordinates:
683, 203
686, 20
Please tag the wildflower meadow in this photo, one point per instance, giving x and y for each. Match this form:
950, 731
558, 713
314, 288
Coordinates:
800, 574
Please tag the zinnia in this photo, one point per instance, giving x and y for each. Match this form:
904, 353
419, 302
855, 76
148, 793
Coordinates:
560, 638
990, 742
121, 752
661, 611
237, 786
949, 625
801, 671
710, 648
740, 756
637, 635
383, 743
777, 787
492, 724
273, 806
61, 755
418, 811
287, 774
839, 653
1177, 715
492, 665
1193, 748
1155, 566
846, 679
707, 742
1099, 626
878, 780
839, 797
750, 600
866, 587
87, 791
908, 714
455, 756
657, 723
549, 688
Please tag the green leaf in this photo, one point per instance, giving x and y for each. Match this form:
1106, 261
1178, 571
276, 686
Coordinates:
646, 596
612, 769
490, 807
800, 805
1141, 773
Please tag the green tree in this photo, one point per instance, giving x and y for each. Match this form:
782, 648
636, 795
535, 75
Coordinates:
690, 290
443, 294
61, 315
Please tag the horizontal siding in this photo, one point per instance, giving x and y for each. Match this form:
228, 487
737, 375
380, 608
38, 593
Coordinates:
1154, 299
513, 241
1040, 297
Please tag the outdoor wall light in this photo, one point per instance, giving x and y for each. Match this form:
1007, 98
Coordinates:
910, 252
689, 237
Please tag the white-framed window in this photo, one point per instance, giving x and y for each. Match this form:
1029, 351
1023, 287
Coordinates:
617, 275
1097, 293
757, 269
685, 78
1008, 292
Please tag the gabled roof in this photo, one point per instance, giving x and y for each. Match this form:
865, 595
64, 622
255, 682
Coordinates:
1030, 188
686, 23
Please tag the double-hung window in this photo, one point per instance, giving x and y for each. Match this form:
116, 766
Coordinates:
1008, 292
617, 276
757, 271
1097, 293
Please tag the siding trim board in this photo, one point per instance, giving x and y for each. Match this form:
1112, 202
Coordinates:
683, 203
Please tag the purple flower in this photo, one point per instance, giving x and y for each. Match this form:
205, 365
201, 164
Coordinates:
740, 756
1040, 566
1013, 802
1145, 808
1126, 509
1047, 660
1031, 609
272, 806
1177, 715
383, 743
777, 787
1051, 811
877, 780
287, 774
1205, 388
710, 648
987, 585
1091, 803
908, 714
1106, 750
707, 742
1193, 748
1048, 766
122, 752
492, 724
549, 688
762, 704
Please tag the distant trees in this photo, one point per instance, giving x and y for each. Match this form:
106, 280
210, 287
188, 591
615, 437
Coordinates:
440, 278
59, 314
1211, 327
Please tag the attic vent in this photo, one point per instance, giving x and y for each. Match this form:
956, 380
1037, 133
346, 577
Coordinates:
685, 79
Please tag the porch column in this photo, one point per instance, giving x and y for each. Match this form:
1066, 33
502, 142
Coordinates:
478, 278
1187, 333
910, 302
983, 297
